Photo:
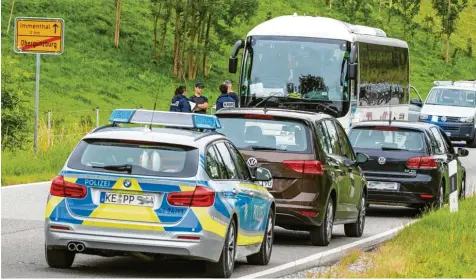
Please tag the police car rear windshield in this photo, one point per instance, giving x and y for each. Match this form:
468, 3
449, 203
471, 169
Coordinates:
135, 158
266, 133
387, 138
452, 97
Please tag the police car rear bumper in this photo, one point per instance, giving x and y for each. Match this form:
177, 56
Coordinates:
104, 241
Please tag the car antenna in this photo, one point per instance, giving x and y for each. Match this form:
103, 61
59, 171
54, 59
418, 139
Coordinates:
155, 104
390, 109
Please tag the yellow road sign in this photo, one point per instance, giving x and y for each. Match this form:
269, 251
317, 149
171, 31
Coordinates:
39, 35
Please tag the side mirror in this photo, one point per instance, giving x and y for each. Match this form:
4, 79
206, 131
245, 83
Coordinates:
232, 64
416, 102
462, 152
352, 70
361, 158
262, 174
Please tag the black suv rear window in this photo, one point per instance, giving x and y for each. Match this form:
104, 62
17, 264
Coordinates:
266, 133
144, 158
387, 138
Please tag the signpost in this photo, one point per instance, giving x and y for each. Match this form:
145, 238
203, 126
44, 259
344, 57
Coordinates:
453, 175
38, 35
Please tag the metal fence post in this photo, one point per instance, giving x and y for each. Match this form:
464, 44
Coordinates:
97, 117
49, 128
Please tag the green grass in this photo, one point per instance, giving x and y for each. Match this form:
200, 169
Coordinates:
441, 244
92, 73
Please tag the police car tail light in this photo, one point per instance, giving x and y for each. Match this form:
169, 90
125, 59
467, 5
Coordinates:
422, 163
62, 188
305, 167
201, 197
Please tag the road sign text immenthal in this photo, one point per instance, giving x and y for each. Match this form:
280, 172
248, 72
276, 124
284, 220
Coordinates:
39, 35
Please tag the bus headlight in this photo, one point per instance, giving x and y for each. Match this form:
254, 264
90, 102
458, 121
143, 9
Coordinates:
423, 116
467, 119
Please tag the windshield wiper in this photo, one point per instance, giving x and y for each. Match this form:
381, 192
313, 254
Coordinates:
267, 98
125, 167
258, 147
393, 148
318, 104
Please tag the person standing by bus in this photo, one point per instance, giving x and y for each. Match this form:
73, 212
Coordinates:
225, 100
230, 91
179, 102
200, 100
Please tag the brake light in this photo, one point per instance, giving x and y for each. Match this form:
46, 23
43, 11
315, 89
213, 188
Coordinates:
258, 116
386, 128
201, 197
308, 213
422, 163
62, 188
305, 167
426, 196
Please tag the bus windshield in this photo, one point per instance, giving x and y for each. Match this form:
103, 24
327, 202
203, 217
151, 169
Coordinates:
452, 97
308, 69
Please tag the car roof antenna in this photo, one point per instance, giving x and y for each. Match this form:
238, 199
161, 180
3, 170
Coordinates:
155, 104
390, 110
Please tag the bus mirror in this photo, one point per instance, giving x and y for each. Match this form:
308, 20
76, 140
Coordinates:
232, 64
352, 70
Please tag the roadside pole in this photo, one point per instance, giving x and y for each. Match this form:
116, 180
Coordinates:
38, 35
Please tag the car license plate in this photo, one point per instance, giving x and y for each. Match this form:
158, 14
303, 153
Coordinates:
266, 184
127, 199
434, 118
378, 185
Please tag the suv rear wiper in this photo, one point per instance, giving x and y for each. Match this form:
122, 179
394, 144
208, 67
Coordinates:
125, 167
393, 148
257, 147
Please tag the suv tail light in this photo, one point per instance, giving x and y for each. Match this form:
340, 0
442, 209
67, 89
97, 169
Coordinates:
305, 167
422, 163
62, 188
201, 197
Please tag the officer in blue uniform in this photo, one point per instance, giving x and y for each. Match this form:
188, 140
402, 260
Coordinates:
180, 102
225, 100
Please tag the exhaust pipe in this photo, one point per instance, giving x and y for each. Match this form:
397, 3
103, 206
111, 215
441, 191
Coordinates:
72, 246
79, 247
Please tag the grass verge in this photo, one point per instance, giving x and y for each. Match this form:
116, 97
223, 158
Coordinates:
441, 244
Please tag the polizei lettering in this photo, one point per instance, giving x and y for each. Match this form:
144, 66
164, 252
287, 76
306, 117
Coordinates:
97, 183
35, 44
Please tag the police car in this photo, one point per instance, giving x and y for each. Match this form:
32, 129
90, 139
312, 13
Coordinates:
155, 191
452, 106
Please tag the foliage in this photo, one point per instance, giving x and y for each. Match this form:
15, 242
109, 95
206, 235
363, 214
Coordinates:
406, 10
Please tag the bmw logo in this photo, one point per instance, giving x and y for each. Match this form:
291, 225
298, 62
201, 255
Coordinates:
382, 160
127, 183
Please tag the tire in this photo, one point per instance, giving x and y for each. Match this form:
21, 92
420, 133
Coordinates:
438, 204
224, 267
59, 258
462, 193
264, 254
471, 143
321, 236
357, 229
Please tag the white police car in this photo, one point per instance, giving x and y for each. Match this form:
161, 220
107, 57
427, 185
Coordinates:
452, 106
154, 191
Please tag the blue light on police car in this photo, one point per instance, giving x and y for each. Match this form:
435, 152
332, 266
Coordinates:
122, 115
206, 121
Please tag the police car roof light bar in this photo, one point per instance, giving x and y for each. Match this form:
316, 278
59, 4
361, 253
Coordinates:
443, 82
169, 119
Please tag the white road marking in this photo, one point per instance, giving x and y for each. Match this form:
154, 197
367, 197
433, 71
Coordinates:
318, 256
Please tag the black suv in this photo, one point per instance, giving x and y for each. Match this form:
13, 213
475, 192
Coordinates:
411, 163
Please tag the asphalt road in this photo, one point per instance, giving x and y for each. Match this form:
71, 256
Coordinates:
23, 241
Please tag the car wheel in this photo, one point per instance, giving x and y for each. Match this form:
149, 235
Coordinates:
264, 254
462, 193
357, 229
471, 143
224, 267
59, 258
321, 236
441, 197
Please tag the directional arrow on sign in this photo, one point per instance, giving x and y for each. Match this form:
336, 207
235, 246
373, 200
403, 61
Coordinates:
55, 26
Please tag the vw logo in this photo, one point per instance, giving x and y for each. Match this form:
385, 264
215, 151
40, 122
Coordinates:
382, 160
443, 118
252, 162
127, 183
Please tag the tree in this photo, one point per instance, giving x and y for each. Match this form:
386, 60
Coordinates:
118, 22
449, 11
407, 10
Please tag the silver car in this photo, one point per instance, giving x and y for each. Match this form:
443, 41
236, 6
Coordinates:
173, 191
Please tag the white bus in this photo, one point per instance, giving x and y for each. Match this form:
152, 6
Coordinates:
351, 72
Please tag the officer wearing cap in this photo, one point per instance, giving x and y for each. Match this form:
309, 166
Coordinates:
224, 100
179, 102
199, 99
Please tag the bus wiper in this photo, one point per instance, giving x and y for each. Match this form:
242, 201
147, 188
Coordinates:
320, 105
393, 148
125, 167
267, 98
258, 147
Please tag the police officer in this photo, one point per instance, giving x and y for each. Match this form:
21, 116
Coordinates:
179, 102
230, 91
225, 101
199, 99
